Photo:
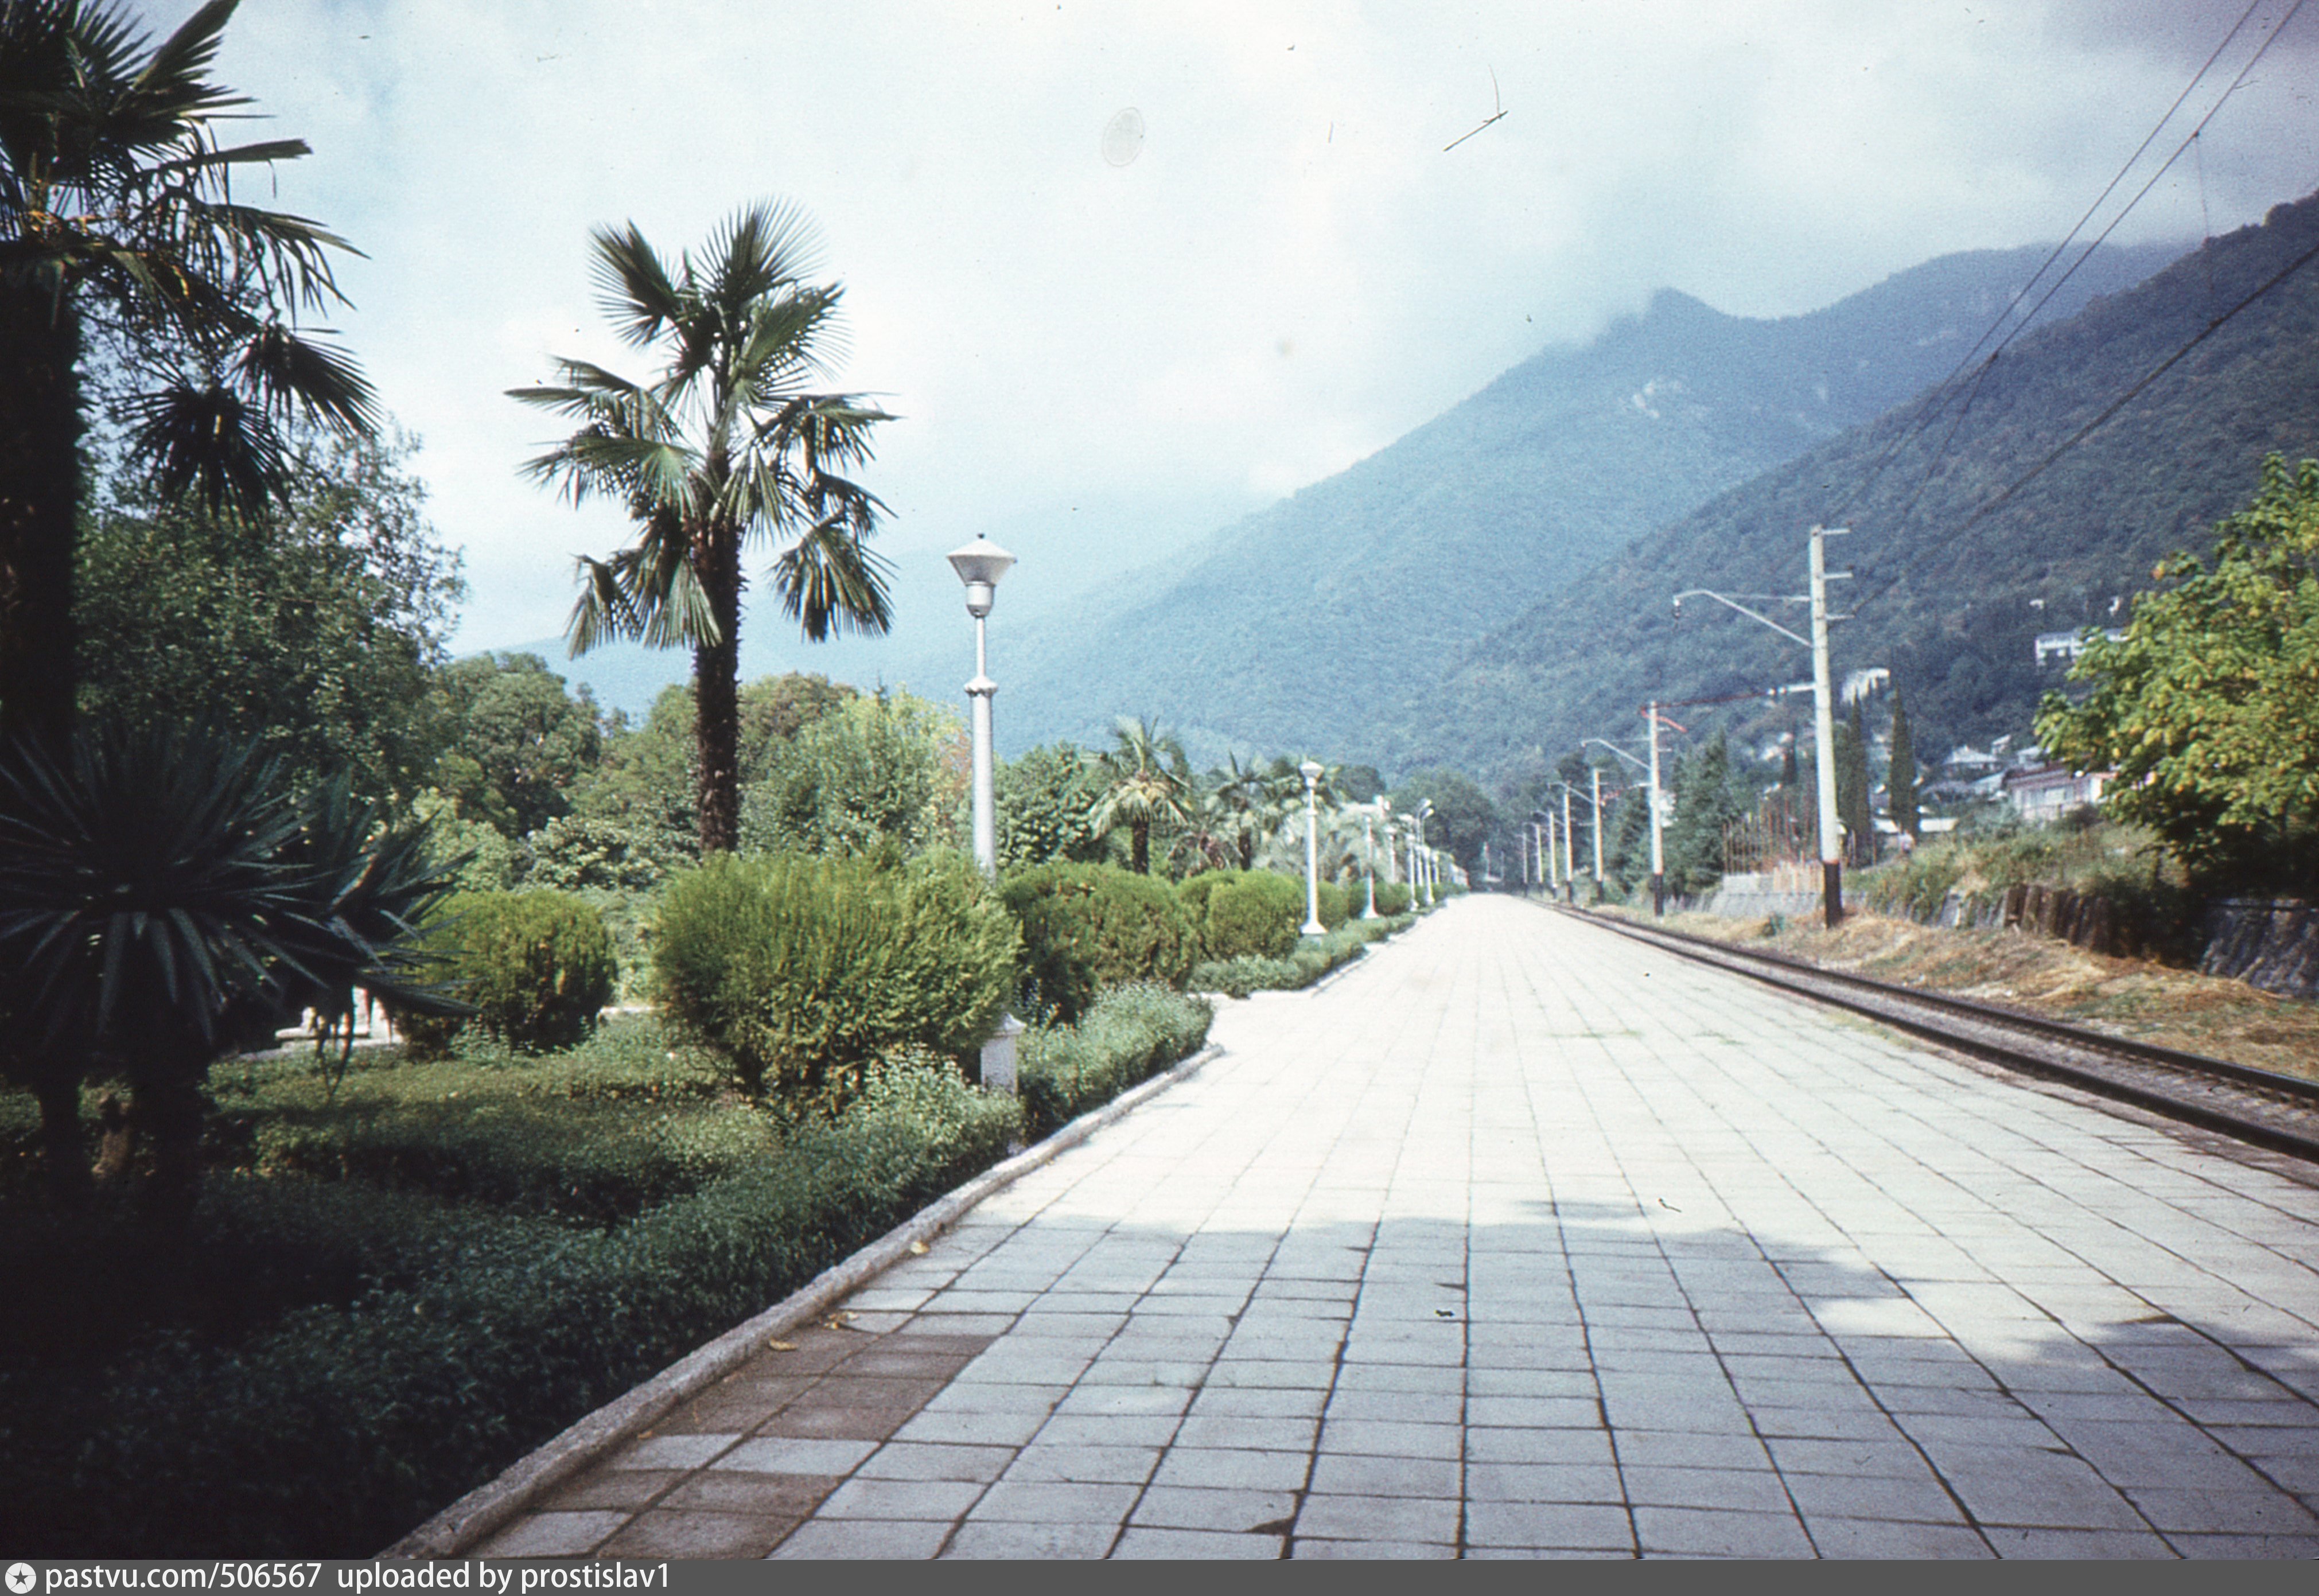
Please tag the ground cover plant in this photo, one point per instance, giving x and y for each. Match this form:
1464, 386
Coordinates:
1306, 961
388, 1293
1129, 1034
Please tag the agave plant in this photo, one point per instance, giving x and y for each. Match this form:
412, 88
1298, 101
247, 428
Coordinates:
158, 887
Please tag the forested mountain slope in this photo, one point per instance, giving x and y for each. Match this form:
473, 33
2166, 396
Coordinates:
1291, 629
1951, 601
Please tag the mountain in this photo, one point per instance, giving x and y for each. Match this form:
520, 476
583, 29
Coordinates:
1291, 627
1952, 587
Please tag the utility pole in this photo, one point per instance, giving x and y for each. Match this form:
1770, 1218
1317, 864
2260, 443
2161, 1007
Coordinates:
1597, 771
1658, 849
1831, 856
1569, 872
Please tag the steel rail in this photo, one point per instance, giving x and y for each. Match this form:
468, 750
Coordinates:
2279, 1112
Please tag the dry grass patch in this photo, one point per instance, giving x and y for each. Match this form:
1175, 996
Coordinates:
2136, 998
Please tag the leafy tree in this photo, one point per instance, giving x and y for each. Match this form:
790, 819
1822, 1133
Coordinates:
125, 253
1044, 800
2207, 709
1463, 816
519, 742
315, 626
776, 709
729, 443
888, 771
1146, 783
1902, 783
645, 780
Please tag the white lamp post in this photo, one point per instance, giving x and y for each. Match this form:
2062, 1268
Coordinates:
1311, 772
1424, 813
1369, 863
979, 565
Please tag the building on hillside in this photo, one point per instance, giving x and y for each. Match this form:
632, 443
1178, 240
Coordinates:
2046, 792
2064, 647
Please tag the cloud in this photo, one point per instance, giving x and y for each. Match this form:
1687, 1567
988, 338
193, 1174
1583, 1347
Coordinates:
1291, 272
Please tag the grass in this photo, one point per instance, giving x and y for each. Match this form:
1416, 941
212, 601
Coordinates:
2139, 999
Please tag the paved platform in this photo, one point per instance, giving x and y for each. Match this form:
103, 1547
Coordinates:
1523, 1240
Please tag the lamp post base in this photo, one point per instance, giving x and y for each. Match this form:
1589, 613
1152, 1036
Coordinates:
998, 1055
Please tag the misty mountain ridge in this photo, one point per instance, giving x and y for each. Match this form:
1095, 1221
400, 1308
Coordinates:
1952, 587
1291, 627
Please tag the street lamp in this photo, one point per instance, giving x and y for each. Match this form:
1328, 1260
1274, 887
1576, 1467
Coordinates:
979, 565
1424, 813
1369, 860
1311, 770
1831, 859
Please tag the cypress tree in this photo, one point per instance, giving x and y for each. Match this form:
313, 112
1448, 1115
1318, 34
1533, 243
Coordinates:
1903, 781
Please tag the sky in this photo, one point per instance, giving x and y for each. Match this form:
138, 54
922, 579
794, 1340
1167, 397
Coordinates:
1102, 347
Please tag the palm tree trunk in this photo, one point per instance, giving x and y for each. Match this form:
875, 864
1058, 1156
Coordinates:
40, 496
717, 695
1140, 854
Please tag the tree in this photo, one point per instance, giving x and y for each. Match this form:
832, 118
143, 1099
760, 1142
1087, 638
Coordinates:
1463, 816
124, 253
1853, 810
315, 626
2207, 709
159, 886
1045, 800
1704, 805
884, 771
1148, 782
519, 740
1902, 782
728, 444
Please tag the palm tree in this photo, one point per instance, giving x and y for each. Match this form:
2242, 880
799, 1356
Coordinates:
727, 444
124, 252
1150, 782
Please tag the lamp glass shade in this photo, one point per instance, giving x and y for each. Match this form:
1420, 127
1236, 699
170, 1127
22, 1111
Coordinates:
980, 562
1309, 770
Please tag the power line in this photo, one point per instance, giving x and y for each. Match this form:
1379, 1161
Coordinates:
1938, 398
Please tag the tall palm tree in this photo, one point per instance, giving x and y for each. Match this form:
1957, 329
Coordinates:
124, 250
1150, 782
727, 444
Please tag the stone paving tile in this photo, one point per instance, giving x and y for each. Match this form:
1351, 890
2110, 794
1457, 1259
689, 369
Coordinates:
1519, 1232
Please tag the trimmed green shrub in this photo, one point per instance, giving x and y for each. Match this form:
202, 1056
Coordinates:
800, 970
1392, 898
1336, 904
1129, 1033
1312, 957
537, 966
1089, 926
1252, 912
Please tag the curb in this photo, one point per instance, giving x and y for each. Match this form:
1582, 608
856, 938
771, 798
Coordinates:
452, 1532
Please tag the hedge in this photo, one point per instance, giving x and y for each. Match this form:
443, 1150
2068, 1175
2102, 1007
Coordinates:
1089, 926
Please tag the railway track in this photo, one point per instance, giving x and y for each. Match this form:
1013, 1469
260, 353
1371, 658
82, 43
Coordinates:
2279, 1112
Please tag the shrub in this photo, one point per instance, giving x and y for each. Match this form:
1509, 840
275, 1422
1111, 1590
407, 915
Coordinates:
1089, 926
801, 971
460, 1340
1392, 898
537, 966
1129, 1033
1254, 913
1312, 957
1336, 904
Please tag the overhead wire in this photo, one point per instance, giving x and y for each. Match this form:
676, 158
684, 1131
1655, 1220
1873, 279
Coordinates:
1937, 397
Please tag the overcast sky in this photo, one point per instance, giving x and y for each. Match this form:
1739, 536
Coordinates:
1289, 274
